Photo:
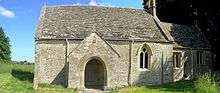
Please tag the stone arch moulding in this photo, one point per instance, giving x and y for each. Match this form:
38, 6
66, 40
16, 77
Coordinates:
83, 64
142, 46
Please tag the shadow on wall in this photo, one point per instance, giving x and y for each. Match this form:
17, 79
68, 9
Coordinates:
149, 76
22, 75
157, 73
62, 77
179, 86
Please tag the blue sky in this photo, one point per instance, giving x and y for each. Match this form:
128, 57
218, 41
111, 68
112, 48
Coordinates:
20, 17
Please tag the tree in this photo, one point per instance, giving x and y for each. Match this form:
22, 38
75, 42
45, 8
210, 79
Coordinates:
201, 13
5, 51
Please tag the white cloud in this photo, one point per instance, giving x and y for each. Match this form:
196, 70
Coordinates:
106, 5
77, 3
6, 13
93, 3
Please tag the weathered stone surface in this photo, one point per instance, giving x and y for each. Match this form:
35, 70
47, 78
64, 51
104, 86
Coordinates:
50, 58
186, 36
161, 53
110, 23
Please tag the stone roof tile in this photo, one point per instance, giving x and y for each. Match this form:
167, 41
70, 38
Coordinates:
109, 22
187, 36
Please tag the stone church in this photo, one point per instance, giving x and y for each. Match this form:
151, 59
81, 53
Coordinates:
104, 48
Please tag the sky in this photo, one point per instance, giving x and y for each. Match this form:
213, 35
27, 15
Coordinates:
19, 19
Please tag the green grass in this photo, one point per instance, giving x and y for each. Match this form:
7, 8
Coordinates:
206, 83
18, 78
178, 87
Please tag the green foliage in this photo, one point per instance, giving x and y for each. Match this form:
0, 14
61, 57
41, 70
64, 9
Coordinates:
5, 52
207, 84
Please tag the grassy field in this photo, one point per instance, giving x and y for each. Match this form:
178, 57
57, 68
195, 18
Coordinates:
18, 78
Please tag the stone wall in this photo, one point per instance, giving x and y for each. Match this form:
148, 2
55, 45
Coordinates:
189, 68
185, 65
63, 62
50, 62
94, 47
202, 68
161, 53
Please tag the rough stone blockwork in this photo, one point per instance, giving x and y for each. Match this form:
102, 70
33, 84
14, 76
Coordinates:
106, 48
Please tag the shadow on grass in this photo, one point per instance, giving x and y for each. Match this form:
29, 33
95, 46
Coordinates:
22, 75
179, 86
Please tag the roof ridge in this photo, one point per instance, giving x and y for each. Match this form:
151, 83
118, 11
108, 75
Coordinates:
84, 5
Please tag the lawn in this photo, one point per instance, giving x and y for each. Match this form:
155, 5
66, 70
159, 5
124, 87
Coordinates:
178, 87
18, 78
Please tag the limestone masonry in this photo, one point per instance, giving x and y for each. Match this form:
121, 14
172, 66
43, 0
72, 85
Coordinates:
105, 48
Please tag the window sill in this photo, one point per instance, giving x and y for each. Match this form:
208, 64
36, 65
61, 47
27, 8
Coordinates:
143, 69
177, 68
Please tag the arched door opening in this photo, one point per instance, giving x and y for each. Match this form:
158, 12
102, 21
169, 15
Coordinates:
95, 75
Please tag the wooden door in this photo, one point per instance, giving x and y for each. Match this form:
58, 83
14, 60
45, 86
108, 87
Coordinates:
94, 76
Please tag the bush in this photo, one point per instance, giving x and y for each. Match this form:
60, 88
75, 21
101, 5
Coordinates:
206, 84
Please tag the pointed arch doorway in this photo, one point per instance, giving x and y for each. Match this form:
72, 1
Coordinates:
95, 74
